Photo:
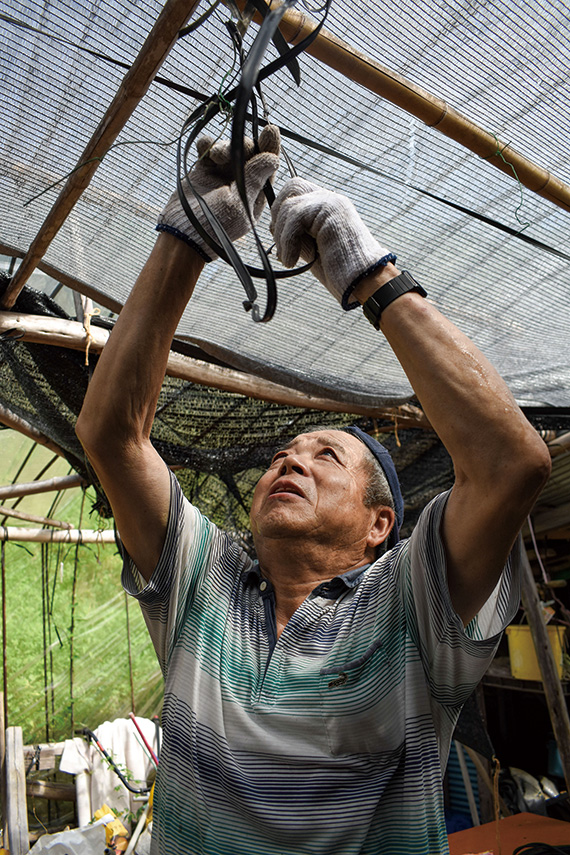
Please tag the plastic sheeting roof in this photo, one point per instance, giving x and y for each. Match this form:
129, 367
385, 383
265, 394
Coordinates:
503, 64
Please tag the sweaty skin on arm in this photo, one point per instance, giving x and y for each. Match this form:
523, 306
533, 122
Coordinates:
500, 462
115, 421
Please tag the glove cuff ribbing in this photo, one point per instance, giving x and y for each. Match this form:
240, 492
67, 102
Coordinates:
382, 262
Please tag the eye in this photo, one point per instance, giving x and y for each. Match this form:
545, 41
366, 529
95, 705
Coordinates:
279, 456
329, 452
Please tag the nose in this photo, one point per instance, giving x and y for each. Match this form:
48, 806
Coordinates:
292, 463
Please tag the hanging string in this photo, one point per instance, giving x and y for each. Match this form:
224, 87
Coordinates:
496, 803
45, 639
129, 653
4, 635
72, 620
499, 153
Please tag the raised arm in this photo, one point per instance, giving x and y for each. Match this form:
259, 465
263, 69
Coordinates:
115, 422
500, 461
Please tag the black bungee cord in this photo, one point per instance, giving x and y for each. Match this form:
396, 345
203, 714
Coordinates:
244, 96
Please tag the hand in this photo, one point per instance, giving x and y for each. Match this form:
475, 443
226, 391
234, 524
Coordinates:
304, 213
212, 177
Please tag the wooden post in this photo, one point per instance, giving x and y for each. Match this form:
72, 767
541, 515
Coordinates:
552, 688
16, 805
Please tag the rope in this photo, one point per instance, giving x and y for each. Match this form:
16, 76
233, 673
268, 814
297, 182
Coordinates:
496, 803
87, 327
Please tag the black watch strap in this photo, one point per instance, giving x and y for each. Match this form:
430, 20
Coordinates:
389, 292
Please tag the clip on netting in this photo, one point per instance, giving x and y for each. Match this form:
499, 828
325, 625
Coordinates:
243, 95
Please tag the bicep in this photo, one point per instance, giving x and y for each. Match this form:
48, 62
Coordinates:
136, 482
478, 530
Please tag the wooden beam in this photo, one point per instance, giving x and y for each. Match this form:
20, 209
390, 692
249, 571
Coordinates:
135, 84
47, 754
20, 515
16, 805
61, 333
548, 519
53, 790
63, 482
560, 445
430, 109
42, 535
71, 282
11, 420
552, 688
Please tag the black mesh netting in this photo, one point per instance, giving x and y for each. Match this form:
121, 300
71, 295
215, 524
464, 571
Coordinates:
217, 441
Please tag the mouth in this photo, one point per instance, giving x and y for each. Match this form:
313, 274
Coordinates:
283, 487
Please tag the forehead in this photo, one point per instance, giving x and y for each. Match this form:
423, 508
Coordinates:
347, 445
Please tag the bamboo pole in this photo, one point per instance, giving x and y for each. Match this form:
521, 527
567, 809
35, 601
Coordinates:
135, 84
430, 109
42, 535
65, 279
20, 515
553, 693
55, 331
11, 420
63, 482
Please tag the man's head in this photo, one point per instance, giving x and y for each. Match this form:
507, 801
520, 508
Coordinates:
325, 488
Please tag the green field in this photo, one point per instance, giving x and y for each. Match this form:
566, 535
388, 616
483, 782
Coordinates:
68, 663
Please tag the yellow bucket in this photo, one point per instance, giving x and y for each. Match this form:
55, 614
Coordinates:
524, 664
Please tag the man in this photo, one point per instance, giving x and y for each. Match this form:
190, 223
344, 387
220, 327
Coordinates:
310, 697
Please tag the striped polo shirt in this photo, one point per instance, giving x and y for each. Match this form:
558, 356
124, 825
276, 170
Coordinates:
330, 740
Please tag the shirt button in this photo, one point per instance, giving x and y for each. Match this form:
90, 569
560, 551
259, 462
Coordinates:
263, 586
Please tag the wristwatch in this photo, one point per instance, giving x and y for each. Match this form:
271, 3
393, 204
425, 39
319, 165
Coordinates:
389, 292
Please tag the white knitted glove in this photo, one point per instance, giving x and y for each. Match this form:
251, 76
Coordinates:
347, 252
212, 177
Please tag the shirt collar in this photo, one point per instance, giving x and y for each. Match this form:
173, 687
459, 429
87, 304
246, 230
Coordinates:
330, 590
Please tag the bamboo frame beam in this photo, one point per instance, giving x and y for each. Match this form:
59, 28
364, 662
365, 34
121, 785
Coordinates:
64, 482
55, 331
11, 420
135, 84
42, 535
69, 281
430, 109
20, 515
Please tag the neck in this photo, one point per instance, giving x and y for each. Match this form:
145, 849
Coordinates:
295, 569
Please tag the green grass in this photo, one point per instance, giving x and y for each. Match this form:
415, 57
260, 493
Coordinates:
39, 595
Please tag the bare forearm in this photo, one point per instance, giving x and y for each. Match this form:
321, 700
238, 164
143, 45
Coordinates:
121, 398
467, 402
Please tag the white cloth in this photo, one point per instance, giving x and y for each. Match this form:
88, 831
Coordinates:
123, 743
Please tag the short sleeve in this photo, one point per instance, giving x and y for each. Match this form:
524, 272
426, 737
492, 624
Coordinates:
454, 657
192, 543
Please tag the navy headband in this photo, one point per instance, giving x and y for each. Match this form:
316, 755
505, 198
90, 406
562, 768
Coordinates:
382, 455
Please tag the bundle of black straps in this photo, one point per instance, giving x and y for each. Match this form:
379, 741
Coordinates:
245, 95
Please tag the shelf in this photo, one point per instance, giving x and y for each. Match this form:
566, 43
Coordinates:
499, 676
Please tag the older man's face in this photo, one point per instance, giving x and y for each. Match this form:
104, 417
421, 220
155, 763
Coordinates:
314, 488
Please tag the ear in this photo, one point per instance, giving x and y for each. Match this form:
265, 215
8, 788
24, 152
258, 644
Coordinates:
382, 523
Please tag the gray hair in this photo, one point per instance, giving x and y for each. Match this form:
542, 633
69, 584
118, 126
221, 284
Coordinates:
377, 490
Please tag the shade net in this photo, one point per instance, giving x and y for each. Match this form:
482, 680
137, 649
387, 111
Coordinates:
218, 443
501, 63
